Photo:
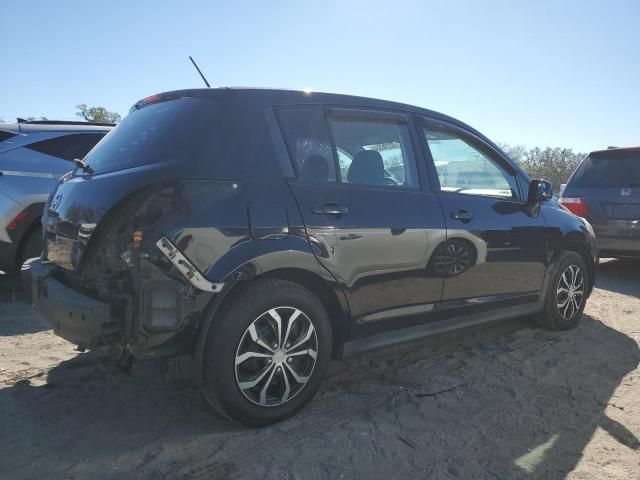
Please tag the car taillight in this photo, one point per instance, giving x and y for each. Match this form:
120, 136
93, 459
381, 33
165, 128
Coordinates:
576, 205
16, 221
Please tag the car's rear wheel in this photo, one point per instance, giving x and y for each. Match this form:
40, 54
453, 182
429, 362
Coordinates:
566, 294
266, 352
31, 247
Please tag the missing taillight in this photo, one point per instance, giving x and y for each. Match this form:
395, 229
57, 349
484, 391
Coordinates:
163, 311
575, 205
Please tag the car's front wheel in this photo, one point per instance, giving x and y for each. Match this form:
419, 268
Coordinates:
567, 293
266, 352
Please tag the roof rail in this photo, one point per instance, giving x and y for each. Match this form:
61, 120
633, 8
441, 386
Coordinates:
64, 122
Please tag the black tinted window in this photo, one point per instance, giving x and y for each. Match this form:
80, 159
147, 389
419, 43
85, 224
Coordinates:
612, 169
307, 138
170, 131
68, 147
6, 135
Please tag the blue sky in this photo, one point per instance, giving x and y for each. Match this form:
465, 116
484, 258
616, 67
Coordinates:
539, 73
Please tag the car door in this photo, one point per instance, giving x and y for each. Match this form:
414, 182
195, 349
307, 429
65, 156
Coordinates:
369, 221
495, 252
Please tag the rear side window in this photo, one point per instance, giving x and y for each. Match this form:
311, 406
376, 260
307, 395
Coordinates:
609, 169
374, 152
67, 147
4, 135
349, 149
307, 137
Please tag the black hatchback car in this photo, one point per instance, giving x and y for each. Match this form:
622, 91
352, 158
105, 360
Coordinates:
605, 189
265, 232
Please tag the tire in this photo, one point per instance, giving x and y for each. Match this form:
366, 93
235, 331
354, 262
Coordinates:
560, 312
31, 247
246, 324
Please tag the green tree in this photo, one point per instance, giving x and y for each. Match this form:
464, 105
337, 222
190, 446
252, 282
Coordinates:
553, 164
515, 152
97, 114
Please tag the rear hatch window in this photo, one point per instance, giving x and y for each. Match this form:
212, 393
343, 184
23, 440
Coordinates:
167, 131
608, 169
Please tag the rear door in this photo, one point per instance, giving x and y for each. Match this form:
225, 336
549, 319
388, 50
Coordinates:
495, 251
605, 189
369, 213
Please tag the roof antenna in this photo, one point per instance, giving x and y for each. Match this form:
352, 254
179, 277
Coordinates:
196, 65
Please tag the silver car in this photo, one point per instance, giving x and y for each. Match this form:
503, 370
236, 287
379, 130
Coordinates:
33, 156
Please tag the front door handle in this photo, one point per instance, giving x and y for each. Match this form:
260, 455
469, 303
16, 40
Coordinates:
331, 209
463, 215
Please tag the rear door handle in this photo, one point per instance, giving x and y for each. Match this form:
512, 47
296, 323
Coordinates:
331, 209
463, 215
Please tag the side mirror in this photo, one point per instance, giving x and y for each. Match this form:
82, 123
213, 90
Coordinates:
540, 191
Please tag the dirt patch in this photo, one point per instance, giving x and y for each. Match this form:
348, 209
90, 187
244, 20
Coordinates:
507, 401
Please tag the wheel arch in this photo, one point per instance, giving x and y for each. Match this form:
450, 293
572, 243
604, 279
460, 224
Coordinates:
313, 277
326, 294
579, 245
34, 226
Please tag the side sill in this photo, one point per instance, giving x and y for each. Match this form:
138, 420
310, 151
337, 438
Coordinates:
407, 334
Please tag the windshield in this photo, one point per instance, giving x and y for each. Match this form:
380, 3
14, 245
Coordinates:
611, 169
167, 131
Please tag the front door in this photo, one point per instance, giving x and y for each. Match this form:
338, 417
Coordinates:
369, 221
495, 251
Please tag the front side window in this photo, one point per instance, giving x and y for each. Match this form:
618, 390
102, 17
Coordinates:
464, 168
372, 152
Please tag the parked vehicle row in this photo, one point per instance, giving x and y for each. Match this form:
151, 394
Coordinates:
33, 156
265, 232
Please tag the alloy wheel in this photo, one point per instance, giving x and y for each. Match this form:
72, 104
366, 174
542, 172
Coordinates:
458, 258
276, 356
453, 259
570, 292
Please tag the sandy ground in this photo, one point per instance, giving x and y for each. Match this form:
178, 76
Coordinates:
502, 402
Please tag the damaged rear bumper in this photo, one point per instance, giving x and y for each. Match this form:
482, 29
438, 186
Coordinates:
77, 318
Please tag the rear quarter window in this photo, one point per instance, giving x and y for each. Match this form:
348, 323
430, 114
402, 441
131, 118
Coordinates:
4, 135
67, 147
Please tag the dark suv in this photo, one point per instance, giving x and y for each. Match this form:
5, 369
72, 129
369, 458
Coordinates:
605, 189
265, 232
